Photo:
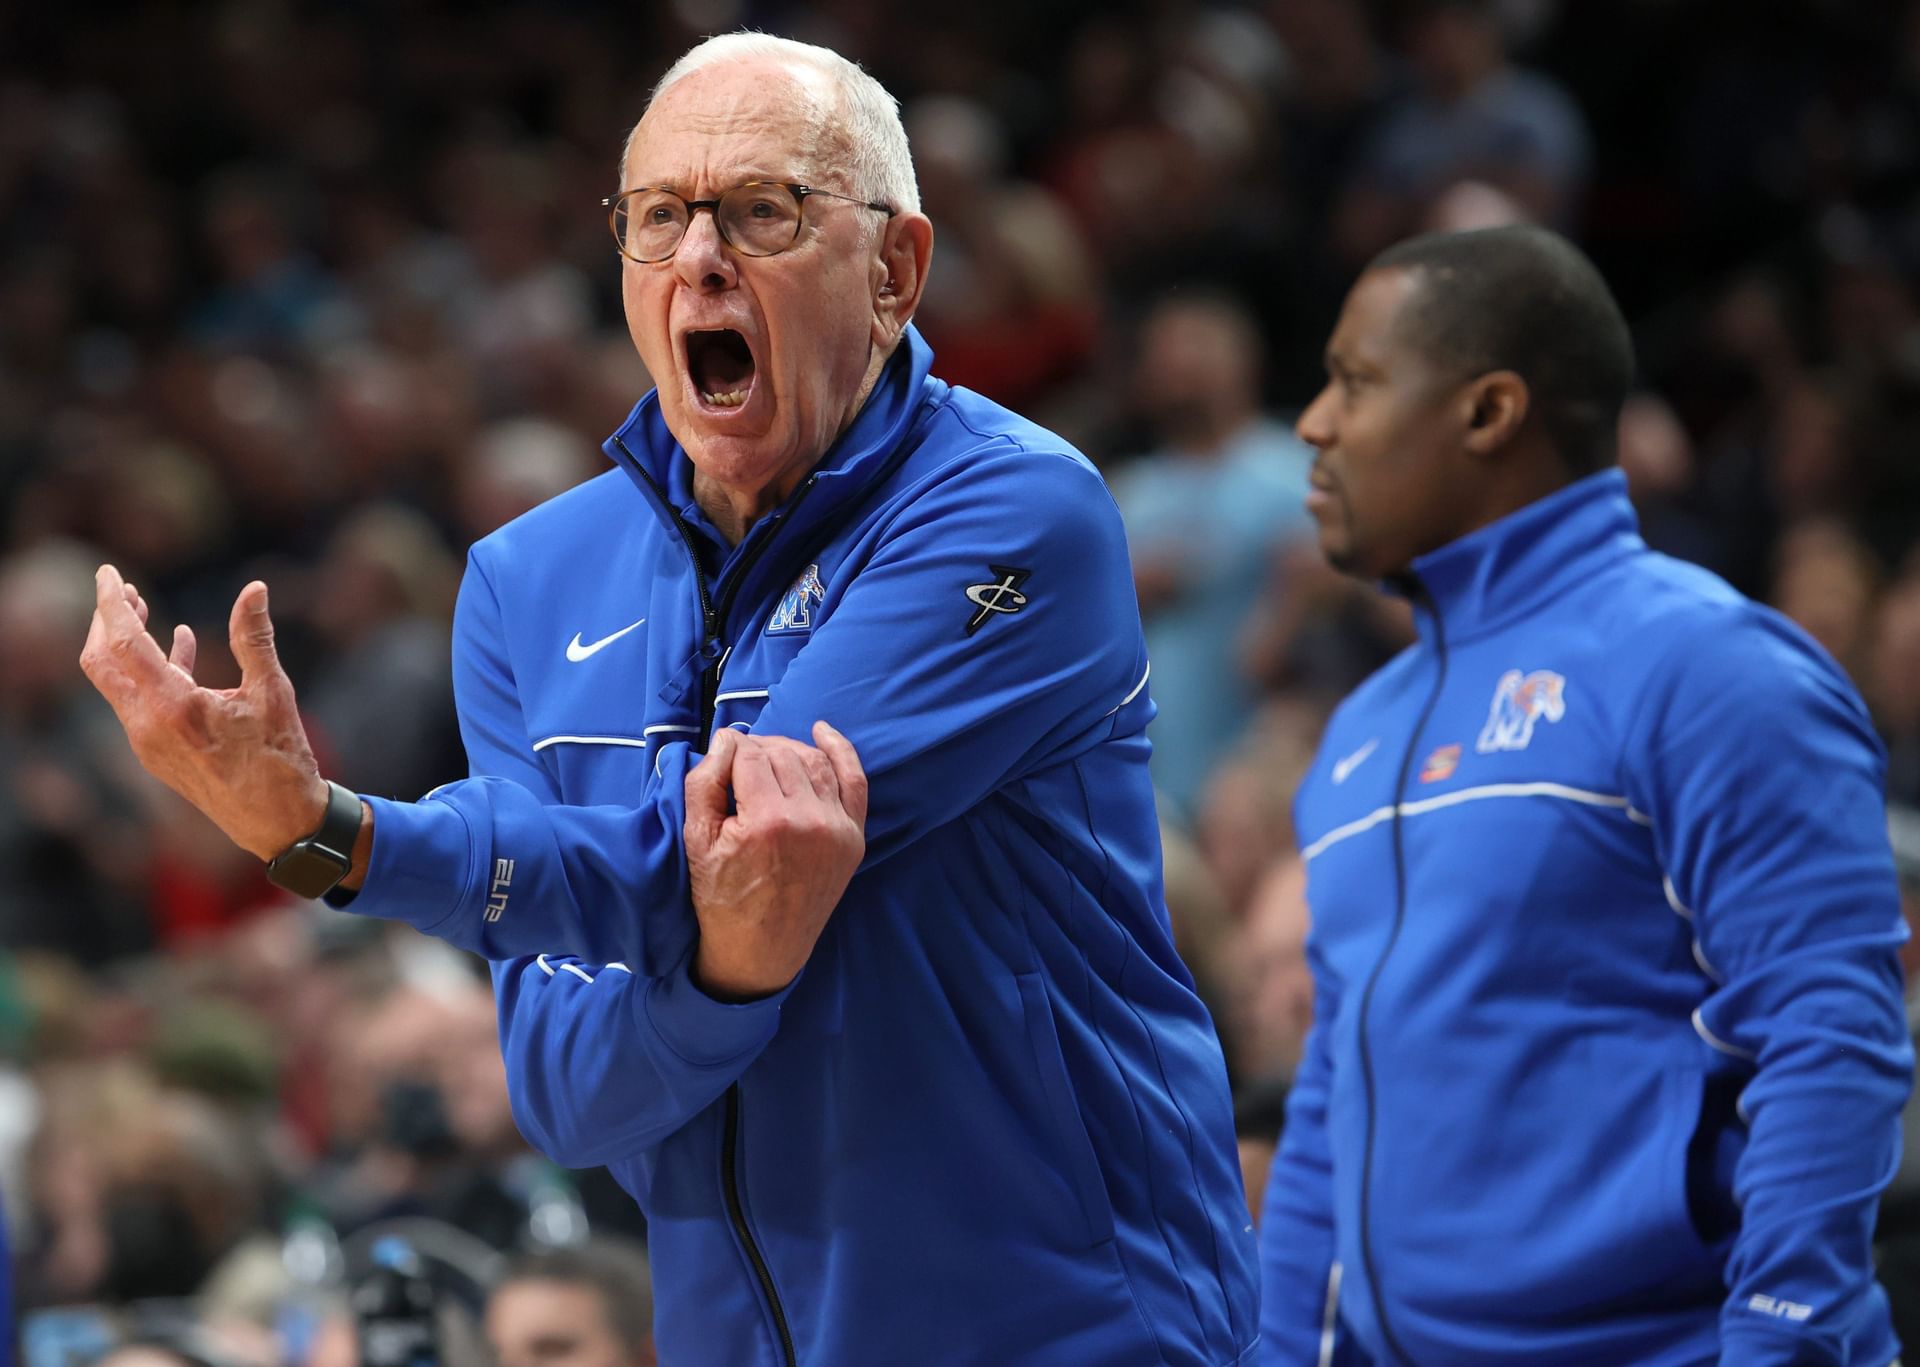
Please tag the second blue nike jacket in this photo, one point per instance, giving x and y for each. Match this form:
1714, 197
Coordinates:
1608, 1053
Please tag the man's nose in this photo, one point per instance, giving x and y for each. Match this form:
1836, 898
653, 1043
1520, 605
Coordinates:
703, 260
1315, 425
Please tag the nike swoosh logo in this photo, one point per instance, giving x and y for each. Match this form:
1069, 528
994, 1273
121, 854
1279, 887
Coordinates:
1346, 766
577, 652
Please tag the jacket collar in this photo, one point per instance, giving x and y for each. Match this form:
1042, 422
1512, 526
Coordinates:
1512, 567
869, 448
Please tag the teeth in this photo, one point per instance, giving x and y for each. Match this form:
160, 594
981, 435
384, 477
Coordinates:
733, 398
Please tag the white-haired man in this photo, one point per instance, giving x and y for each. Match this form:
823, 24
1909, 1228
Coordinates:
975, 1115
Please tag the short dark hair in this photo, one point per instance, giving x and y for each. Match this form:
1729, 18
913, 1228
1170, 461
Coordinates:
615, 1269
1527, 300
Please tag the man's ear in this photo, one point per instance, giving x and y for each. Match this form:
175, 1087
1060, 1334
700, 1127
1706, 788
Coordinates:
1497, 405
900, 275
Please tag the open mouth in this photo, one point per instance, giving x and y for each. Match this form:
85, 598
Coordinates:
721, 366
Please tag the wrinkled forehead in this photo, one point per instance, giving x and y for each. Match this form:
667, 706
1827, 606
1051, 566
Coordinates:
740, 120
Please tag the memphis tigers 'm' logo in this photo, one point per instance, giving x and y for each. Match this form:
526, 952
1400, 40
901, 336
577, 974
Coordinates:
795, 612
1520, 700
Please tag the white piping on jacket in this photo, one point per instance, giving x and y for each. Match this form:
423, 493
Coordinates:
1490, 790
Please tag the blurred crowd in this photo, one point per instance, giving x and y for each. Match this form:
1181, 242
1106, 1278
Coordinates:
321, 293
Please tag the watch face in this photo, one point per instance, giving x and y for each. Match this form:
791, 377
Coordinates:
306, 871
312, 866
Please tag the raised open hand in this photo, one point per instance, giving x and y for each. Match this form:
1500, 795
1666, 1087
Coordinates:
238, 754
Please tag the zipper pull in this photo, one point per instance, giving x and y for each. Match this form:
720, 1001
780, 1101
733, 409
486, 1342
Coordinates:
687, 677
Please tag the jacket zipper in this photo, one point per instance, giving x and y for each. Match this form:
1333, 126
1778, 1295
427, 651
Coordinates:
730, 1131
737, 1213
711, 619
1418, 592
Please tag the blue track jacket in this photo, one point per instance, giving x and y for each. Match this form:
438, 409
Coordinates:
989, 1122
1609, 1052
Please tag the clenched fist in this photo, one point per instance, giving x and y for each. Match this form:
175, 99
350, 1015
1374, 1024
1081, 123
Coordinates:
766, 877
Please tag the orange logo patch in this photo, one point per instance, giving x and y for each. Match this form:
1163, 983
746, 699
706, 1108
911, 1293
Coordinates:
1440, 764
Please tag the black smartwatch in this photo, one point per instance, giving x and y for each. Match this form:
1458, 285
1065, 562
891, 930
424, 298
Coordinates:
311, 867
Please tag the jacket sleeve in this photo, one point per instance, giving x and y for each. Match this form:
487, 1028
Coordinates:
1755, 761
497, 865
1297, 1270
602, 1062
602, 1058
945, 697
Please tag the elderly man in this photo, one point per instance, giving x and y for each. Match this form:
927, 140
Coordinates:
964, 1108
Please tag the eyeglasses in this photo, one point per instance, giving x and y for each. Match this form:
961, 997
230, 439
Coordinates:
760, 218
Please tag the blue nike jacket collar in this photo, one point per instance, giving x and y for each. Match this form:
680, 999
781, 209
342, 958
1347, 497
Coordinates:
1510, 568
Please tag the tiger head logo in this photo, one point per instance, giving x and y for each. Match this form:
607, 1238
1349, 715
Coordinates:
795, 612
1520, 700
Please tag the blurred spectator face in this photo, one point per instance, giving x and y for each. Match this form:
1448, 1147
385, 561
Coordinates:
956, 153
1826, 582
518, 464
1199, 371
161, 508
1105, 73
1313, 30
1453, 45
792, 333
423, 1073
1655, 451
1810, 454
385, 563
36, 300
245, 230
543, 1323
1870, 310
143, 1356
1273, 998
139, 267
503, 199
1385, 487
377, 1042
1749, 326
473, 1078
181, 1194
1233, 833
1895, 679
1197, 907
43, 620
369, 411
142, 1189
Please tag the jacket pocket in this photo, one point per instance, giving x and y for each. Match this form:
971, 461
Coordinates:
1713, 1152
1692, 1208
1073, 1150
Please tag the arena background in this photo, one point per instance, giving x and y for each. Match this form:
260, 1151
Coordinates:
320, 293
